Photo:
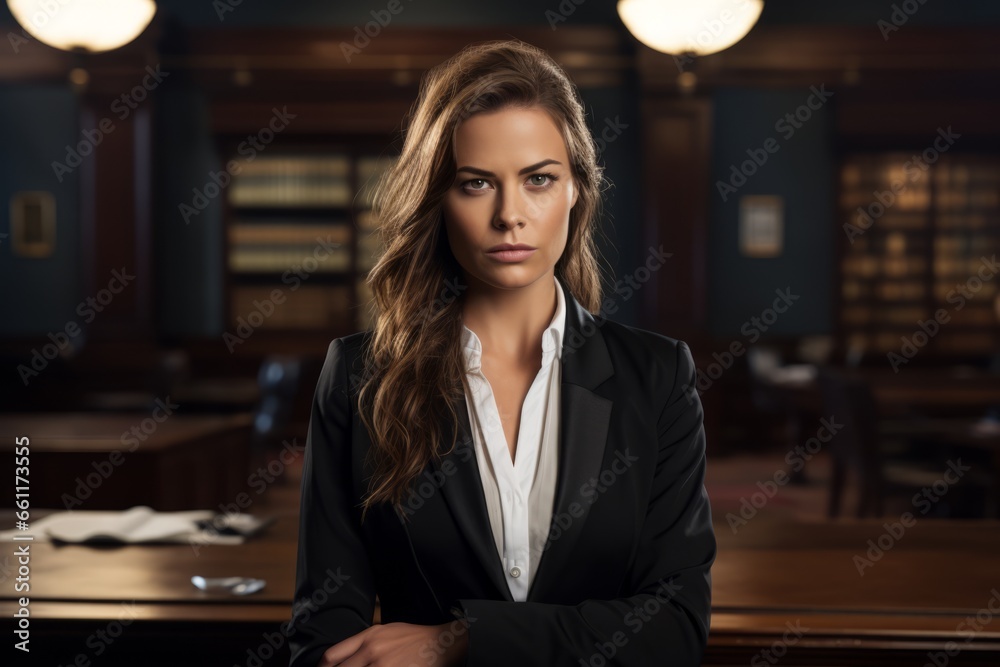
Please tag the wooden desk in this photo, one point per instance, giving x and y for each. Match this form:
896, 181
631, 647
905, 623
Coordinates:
239, 394
144, 596
912, 600
95, 461
963, 433
208, 395
935, 391
922, 390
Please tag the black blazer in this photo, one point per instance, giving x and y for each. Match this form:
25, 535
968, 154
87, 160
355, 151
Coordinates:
626, 570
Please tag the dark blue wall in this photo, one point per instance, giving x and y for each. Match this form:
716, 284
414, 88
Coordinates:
189, 254
800, 171
36, 125
613, 116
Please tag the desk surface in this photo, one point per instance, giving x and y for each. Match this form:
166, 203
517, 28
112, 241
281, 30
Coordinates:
917, 388
770, 573
103, 432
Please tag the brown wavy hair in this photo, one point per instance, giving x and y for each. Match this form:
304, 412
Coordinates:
414, 368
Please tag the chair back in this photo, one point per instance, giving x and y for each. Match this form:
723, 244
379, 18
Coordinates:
848, 400
278, 379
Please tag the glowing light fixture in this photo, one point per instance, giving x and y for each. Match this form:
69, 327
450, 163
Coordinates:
692, 27
92, 25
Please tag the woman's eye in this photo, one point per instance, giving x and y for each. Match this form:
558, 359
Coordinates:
480, 184
550, 179
475, 180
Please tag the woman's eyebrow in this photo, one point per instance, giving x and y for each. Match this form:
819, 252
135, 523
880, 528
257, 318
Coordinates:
483, 172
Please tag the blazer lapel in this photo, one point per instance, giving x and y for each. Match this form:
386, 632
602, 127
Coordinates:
584, 421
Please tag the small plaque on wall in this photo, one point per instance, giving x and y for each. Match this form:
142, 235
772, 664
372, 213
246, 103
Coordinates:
761, 225
33, 223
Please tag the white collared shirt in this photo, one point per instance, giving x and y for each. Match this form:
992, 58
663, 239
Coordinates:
519, 494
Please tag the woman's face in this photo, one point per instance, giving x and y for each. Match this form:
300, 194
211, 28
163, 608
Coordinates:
513, 185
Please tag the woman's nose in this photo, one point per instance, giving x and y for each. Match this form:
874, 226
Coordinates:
512, 209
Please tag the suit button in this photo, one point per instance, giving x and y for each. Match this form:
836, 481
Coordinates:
515, 572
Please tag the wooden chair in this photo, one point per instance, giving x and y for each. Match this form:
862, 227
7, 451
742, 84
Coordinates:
861, 450
278, 379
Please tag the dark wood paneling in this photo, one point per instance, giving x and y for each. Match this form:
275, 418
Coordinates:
675, 213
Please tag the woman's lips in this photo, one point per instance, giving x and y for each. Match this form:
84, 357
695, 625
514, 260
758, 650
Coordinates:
511, 255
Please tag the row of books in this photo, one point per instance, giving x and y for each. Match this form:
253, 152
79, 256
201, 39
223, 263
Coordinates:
298, 258
945, 342
305, 307
304, 181
302, 240
910, 315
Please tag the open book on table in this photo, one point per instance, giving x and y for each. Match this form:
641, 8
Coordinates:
142, 524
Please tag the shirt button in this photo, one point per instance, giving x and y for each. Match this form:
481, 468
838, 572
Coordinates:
515, 572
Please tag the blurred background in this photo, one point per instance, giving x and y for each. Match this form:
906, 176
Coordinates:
808, 194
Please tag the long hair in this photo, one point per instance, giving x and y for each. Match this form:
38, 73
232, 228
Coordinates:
414, 368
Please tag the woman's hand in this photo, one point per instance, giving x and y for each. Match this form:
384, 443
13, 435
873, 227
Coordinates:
401, 645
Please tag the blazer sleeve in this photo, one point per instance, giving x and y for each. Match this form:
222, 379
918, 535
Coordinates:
334, 587
665, 618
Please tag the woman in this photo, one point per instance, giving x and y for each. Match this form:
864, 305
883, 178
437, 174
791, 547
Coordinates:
518, 480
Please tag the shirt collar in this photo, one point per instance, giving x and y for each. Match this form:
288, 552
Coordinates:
552, 337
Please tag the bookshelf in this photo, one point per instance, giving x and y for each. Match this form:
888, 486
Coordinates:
914, 240
301, 238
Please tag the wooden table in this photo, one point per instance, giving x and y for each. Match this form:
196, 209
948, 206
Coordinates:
960, 432
926, 391
207, 395
117, 460
912, 600
935, 392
